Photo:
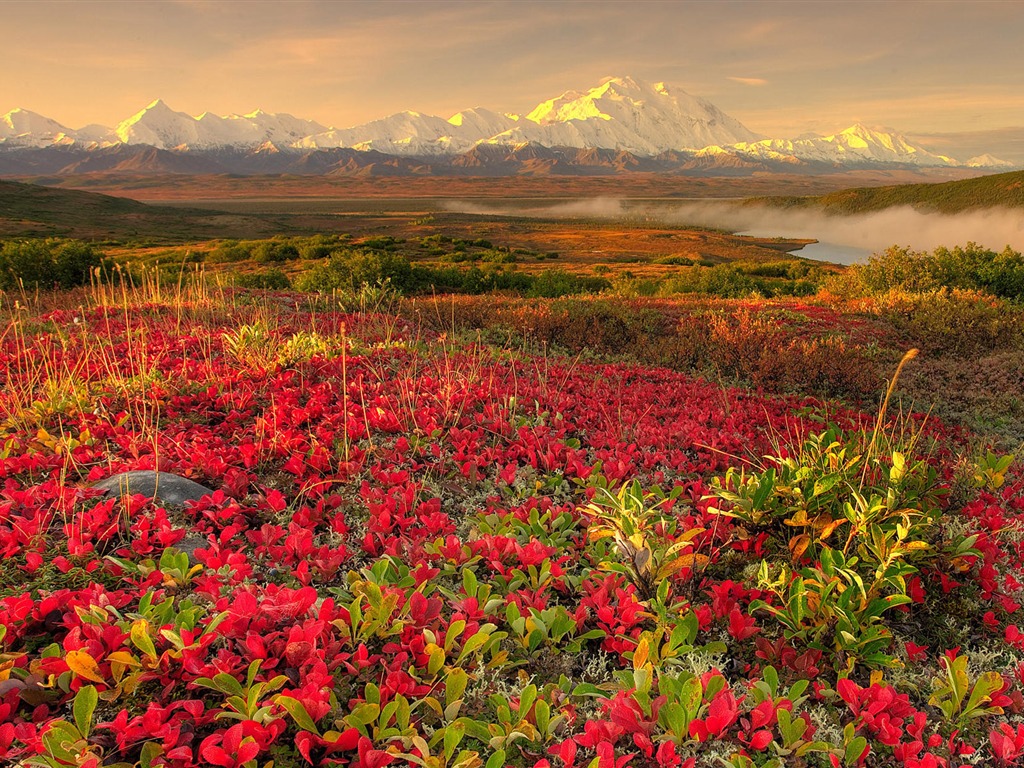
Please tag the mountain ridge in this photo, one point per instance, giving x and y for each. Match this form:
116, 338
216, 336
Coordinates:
645, 120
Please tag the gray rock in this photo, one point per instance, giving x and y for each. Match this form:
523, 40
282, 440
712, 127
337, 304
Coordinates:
160, 486
189, 545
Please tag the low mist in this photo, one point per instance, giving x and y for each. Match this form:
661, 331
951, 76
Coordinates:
843, 239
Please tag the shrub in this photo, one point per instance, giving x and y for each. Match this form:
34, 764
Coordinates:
969, 268
957, 322
268, 279
552, 283
229, 252
348, 270
675, 260
47, 263
274, 251
723, 280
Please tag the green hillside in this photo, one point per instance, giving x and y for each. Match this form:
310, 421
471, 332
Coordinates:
33, 210
1000, 190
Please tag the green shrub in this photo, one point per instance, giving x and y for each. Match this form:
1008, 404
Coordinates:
45, 264
552, 283
497, 257
382, 243
274, 251
268, 279
348, 270
971, 268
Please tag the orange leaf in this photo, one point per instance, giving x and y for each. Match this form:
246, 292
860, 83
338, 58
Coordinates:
799, 544
689, 560
830, 526
641, 653
84, 665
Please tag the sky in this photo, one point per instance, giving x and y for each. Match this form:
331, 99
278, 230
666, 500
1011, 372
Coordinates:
781, 68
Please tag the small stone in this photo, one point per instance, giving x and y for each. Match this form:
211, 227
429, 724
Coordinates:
189, 545
159, 486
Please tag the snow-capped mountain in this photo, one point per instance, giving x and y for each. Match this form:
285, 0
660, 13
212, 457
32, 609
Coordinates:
160, 126
641, 124
20, 127
631, 115
857, 145
621, 113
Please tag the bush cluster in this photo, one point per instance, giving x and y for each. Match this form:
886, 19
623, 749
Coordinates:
349, 270
267, 279
278, 249
971, 268
732, 281
956, 322
45, 264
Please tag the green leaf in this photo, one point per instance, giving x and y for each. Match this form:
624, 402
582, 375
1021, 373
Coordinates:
364, 714
825, 484
542, 714
85, 704
453, 734
298, 711
854, 749
691, 696
987, 684
526, 700
455, 685
151, 750
497, 760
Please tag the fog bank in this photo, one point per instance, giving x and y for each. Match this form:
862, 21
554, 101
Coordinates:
856, 236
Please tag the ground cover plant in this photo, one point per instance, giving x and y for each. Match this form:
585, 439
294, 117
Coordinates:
428, 548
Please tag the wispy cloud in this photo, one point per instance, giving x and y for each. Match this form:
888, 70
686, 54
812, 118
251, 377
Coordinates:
755, 81
803, 64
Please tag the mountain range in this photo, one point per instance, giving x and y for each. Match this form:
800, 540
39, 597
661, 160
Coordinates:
623, 124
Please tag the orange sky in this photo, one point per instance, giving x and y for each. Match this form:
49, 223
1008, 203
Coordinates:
782, 68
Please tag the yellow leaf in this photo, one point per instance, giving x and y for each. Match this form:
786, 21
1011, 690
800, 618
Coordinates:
84, 665
123, 657
799, 519
876, 676
690, 534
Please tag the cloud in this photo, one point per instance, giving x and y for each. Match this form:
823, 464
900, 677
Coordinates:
748, 80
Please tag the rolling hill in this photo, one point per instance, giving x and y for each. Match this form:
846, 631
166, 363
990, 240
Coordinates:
32, 210
1004, 190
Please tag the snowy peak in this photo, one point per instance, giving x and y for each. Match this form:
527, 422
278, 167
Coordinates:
482, 121
160, 126
638, 117
857, 145
25, 128
157, 125
619, 114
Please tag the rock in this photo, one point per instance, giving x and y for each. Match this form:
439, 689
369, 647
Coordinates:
189, 545
160, 486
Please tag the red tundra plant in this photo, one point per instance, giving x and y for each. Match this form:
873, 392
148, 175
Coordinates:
1007, 743
382, 511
